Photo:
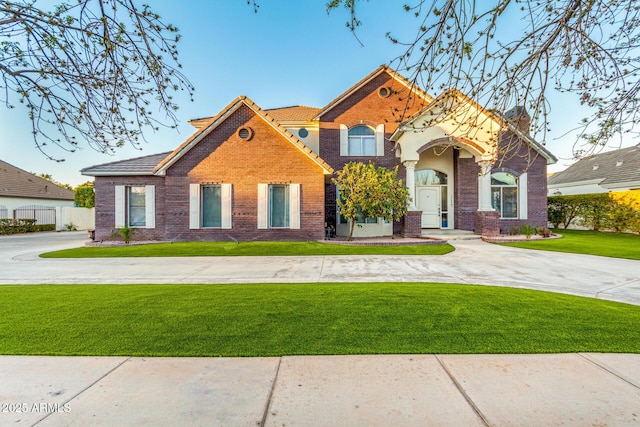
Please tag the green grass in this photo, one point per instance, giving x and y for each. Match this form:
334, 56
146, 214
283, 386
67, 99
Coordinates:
616, 245
307, 319
245, 249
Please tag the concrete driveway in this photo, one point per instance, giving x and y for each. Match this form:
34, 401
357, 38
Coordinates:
473, 262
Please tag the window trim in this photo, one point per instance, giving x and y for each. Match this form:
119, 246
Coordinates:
378, 133
195, 206
502, 187
122, 206
294, 206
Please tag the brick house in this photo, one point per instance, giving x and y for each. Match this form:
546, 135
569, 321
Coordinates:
253, 174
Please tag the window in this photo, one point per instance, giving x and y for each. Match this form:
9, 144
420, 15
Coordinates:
279, 206
210, 206
504, 194
362, 141
430, 177
135, 206
136, 203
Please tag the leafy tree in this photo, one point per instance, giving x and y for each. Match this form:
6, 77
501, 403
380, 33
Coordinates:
84, 196
371, 192
89, 70
49, 177
589, 48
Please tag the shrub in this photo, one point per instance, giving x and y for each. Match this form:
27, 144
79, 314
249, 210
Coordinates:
19, 225
125, 232
70, 227
618, 211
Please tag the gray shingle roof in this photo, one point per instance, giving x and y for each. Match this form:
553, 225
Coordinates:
612, 167
15, 182
138, 166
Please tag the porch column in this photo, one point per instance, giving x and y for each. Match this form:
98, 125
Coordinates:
410, 166
484, 186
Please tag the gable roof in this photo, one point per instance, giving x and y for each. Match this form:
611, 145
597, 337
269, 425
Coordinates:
137, 166
502, 120
15, 182
380, 70
216, 120
610, 168
296, 113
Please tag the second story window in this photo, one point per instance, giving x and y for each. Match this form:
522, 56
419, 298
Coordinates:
362, 141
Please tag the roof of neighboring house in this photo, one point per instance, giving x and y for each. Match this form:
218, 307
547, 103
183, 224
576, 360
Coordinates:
215, 121
15, 182
612, 167
138, 166
381, 69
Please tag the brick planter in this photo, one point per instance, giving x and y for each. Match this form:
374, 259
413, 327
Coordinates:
412, 224
487, 223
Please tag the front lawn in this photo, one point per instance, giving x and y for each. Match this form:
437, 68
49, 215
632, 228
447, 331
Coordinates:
616, 245
245, 249
307, 319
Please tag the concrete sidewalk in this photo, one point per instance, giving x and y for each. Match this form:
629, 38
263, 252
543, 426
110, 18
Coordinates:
395, 390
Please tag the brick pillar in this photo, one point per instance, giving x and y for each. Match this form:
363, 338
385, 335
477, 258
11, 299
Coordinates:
412, 224
487, 223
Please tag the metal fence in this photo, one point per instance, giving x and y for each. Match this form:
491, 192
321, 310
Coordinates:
42, 214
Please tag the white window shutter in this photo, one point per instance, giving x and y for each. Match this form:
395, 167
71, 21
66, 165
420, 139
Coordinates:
120, 206
523, 196
344, 140
194, 206
380, 140
226, 205
263, 205
150, 206
294, 206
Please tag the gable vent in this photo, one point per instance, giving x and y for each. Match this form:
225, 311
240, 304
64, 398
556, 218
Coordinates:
245, 133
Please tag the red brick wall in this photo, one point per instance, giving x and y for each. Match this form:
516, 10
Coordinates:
517, 160
106, 207
465, 196
368, 107
223, 157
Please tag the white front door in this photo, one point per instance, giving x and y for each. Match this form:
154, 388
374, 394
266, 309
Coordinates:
428, 200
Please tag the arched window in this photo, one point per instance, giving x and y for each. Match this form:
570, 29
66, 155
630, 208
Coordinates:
362, 141
504, 194
430, 177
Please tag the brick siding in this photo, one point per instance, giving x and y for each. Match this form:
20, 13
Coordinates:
223, 157
366, 106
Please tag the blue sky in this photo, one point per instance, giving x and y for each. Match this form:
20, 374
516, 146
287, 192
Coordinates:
289, 53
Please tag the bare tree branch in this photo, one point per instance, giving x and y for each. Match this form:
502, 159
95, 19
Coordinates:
89, 72
586, 47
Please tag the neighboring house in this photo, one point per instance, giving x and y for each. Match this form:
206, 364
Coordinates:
617, 170
253, 174
25, 195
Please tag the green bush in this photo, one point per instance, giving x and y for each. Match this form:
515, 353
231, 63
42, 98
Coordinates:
617, 211
20, 225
